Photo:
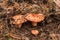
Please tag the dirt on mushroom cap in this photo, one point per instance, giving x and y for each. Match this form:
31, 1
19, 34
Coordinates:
35, 17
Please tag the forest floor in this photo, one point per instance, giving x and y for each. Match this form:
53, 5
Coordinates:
49, 29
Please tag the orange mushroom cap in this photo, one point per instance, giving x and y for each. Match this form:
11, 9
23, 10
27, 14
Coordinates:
35, 17
35, 32
18, 19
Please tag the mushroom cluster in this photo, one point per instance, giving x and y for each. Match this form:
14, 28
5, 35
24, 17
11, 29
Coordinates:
34, 18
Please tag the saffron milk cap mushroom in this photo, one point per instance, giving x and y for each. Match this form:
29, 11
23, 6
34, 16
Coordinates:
35, 18
18, 20
35, 32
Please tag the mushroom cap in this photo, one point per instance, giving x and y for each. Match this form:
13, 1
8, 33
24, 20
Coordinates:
35, 17
18, 19
35, 32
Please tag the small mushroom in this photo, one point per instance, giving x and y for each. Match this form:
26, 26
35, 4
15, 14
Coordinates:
35, 32
35, 18
18, 20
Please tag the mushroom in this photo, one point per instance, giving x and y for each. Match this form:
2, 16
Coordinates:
35, 32
18, 20
35, 18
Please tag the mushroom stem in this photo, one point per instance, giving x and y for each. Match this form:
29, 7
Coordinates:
19, 25
34, 23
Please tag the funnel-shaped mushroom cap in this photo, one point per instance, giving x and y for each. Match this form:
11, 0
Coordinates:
19, 19
35, 17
